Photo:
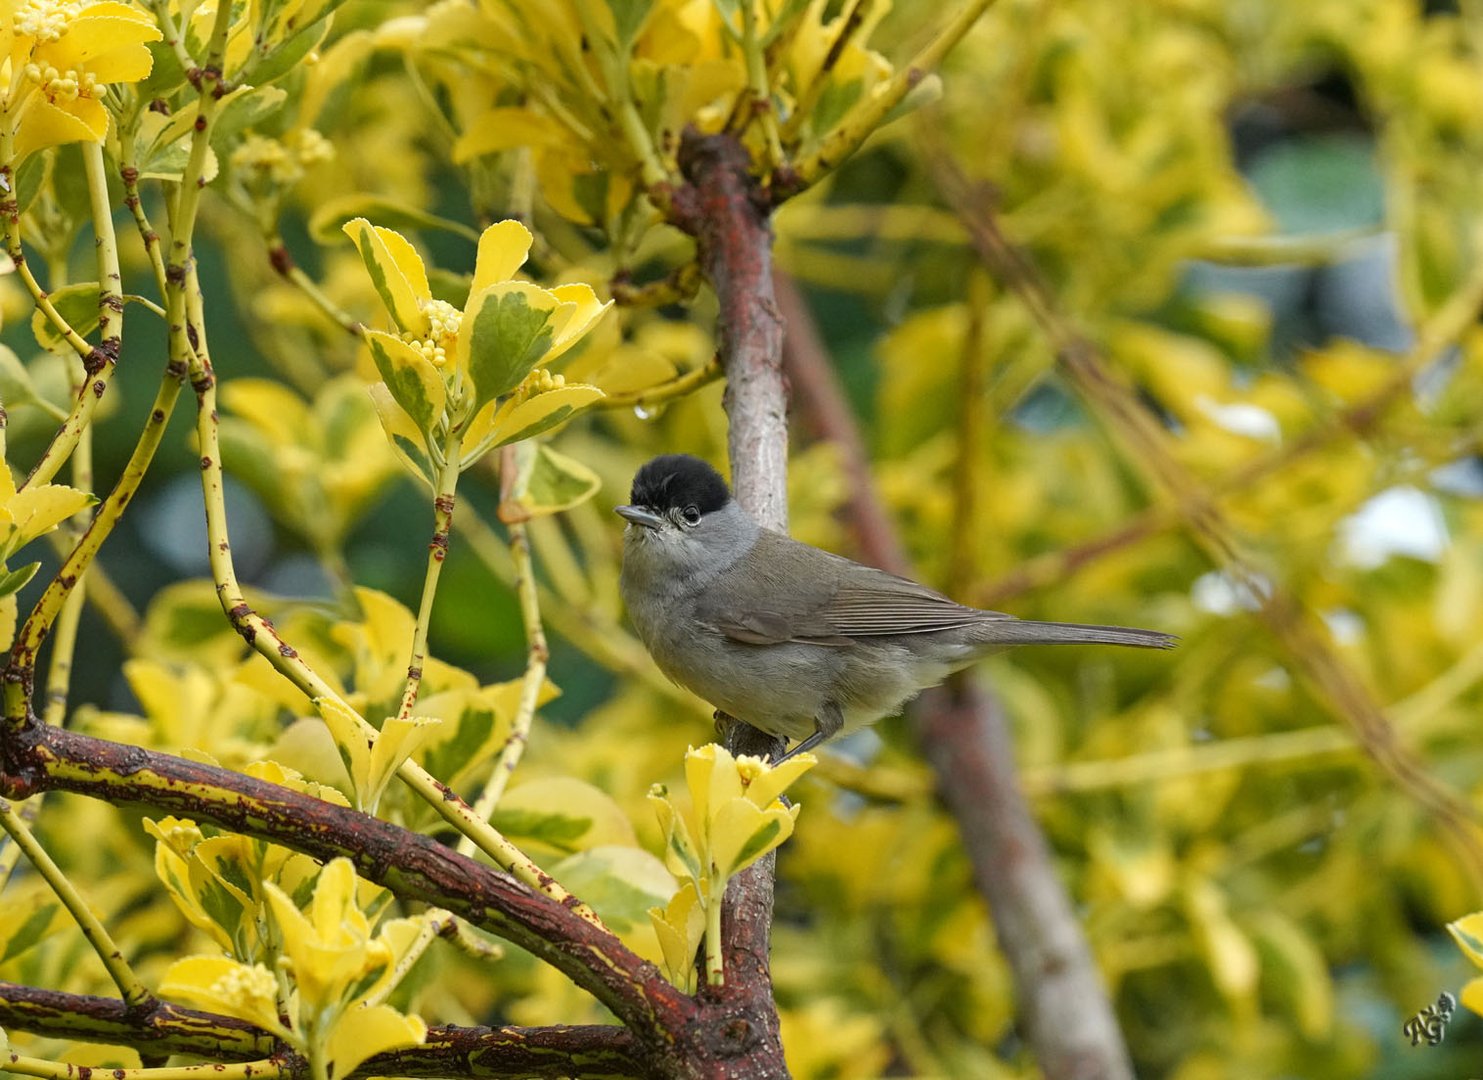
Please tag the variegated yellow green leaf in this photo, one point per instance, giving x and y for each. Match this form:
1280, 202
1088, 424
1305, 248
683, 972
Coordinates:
399, 738
30, 913
507, 328
502, 251
396, 272
564, 814
367, 1030
680, 852
557, 482
414, 383
1468, 933
350, 739
401, 431
540, 412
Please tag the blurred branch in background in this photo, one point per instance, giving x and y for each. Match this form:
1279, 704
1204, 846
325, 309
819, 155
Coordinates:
1142, 440
1064, 1009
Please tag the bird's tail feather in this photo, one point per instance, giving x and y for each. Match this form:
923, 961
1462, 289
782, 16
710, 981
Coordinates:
1023, 632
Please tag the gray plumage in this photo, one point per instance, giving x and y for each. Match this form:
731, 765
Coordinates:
791, 639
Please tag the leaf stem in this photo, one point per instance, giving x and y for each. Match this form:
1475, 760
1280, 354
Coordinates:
134, 992
243, 1070
443, 503
715, 969
514, 480
866, 116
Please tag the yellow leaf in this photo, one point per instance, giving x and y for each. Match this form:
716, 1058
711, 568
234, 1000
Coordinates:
740, 834
587, 309
364, 1031
220, 984
38, 510
503, 128
269, 406
679, 926
396, 271
680, 853
763, 782
9, 616
502, 251
1472, 995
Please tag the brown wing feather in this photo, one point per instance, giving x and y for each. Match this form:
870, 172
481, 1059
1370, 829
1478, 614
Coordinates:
829, 599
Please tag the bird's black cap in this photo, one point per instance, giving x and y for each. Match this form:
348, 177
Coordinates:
674, 481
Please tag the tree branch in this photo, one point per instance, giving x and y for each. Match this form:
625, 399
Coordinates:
411, 866
722, 206
476, 1053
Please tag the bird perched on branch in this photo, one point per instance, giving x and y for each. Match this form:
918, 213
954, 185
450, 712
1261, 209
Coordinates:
789, 638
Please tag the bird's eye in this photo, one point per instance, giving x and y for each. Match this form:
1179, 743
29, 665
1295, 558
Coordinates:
691, 515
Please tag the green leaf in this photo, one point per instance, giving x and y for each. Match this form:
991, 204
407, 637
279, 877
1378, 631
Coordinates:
564, 814
271, 63
629, 17
27, 919
16, 387
78, 304
330, 216
621, 883
28, 180
245, 107
506, 331
12, 581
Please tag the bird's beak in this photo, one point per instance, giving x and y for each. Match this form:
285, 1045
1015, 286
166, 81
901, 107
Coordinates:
639, 516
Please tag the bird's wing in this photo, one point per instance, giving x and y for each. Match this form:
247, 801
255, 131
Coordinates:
822, 599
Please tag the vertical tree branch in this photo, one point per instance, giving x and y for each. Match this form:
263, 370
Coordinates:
1066, 1015
722, 206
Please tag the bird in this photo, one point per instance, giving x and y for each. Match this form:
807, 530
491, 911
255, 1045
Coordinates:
793, 640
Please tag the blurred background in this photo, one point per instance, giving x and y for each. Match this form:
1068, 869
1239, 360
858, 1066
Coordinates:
1265, 219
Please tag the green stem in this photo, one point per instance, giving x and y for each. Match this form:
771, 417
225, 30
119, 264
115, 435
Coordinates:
758, 89
715, 968
242, 1070
535, 636
134, 992
99, 362
862, 120
437, 551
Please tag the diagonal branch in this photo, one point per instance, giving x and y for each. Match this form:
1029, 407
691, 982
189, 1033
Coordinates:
412, 866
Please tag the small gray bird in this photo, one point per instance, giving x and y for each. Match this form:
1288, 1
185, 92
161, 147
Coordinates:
790, 639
